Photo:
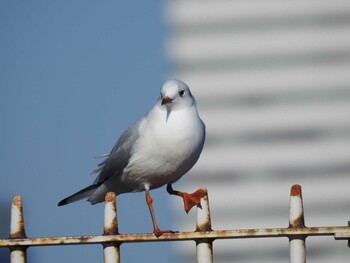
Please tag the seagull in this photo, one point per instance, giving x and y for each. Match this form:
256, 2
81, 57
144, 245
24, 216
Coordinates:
154, 151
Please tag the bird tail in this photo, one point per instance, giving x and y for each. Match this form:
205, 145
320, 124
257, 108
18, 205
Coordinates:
84, 193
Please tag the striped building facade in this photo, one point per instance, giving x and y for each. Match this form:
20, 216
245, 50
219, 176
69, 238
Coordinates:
272, 82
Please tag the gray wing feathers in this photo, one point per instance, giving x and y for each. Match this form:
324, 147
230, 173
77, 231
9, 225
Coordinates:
119, 156
113, 165
86, 192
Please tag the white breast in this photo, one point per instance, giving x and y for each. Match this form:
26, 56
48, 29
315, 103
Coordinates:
166, 149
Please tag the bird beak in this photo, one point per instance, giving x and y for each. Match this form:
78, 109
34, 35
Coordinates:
167, 100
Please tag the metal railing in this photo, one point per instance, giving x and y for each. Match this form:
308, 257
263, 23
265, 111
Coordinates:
204, 236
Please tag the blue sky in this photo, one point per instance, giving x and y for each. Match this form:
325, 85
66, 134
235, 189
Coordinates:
74, 75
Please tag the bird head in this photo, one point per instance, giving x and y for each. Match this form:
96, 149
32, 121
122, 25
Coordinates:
176, 95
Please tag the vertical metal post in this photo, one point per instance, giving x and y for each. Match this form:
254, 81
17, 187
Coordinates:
17, 254
348, 239
111, 251
204, 247
296, 220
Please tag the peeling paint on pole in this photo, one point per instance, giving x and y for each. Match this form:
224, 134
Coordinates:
203, 236
339, 232
204, 247
111, 251
296, 220
17, 254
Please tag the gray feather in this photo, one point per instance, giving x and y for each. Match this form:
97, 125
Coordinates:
86, 192
119, 157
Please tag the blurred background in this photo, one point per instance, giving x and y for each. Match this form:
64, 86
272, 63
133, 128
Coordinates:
272, 82
74, 75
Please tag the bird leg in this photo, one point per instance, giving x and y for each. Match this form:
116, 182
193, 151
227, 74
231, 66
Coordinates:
190, 200
156, 229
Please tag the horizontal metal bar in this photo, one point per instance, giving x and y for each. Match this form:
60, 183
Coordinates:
215, 234
343, 235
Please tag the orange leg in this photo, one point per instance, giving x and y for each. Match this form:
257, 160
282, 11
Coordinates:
156, 229
190, 200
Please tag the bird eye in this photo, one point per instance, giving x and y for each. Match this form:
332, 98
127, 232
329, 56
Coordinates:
181, 92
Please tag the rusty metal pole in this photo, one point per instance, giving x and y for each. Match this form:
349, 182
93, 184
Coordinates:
296, 220
17, 254
204, 247
111, 251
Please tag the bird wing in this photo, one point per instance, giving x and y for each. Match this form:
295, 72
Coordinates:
119, 156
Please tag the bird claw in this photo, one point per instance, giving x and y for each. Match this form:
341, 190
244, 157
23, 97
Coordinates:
157, 232
194, 199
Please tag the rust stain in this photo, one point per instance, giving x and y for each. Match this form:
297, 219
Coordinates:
112, 229
298, 222
85, 238
18, 235
197, 236
204, 225
203, 233
17, 231
110, 197
19, 248
17, 201
203, 228
115, 245
295, 190
251, 232
111, 226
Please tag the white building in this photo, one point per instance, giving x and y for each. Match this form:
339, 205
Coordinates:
272, 82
